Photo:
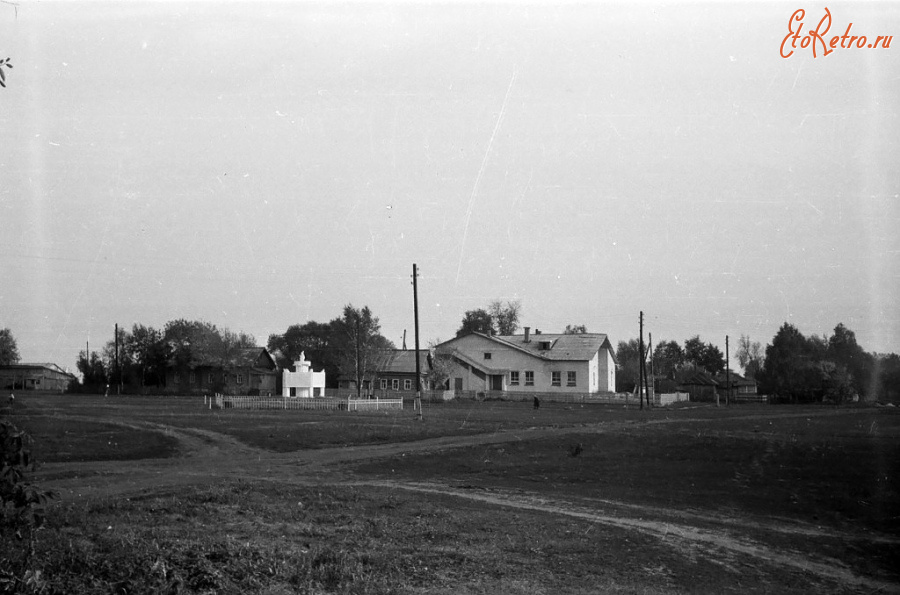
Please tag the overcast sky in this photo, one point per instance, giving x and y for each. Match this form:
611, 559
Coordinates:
257, 165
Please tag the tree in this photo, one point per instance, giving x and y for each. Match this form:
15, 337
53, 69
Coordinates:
790, 370
148, 351
93, 371
441, 366
628, 354
705, 356
194, 342
749, 356
505, 318
476, 321
668, 358
313, 339
844, 351
497, 318
575, 329
358, 342
9, 351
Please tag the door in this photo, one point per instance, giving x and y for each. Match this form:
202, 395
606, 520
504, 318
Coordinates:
497, 382
457, 384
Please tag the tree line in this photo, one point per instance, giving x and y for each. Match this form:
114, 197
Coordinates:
792, 368
145, 352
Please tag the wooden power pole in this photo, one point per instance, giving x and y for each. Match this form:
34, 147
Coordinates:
727, 374
418, 363
641, 360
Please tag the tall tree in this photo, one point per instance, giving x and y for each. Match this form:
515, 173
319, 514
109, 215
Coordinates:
313, 339
628, 354
790, 370
749, 356
93, 371
498, 318
9, 351
147, 349
476, 321
505, 317
844, 351
575, 329
358, 342
668, 358
704, 356
193, 342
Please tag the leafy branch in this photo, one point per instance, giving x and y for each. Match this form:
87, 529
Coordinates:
5, 62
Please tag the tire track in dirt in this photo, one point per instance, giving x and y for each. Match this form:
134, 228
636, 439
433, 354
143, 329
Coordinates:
677, 535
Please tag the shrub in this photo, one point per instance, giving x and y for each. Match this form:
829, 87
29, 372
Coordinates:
21, 510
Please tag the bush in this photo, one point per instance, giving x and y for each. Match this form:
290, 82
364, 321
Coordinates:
21, 510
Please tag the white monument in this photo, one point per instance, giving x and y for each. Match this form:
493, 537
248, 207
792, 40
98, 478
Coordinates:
303, 381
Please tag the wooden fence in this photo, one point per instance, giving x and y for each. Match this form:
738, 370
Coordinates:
299, 403
550, 397
750, 398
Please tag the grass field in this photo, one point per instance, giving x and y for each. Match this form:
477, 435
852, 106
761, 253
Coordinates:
163, 495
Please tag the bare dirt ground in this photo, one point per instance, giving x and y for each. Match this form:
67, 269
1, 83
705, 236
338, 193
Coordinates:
207, 456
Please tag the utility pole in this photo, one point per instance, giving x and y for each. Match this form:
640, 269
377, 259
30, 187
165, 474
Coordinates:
641, 361
118, 369
359, 374
727, 374
418, 364
652, 376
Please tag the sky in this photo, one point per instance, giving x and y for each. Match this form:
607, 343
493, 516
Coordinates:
258, 165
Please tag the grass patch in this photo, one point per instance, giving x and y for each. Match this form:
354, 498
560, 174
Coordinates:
242, 537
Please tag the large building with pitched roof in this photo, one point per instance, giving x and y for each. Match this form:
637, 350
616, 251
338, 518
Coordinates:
36, 376
534, 363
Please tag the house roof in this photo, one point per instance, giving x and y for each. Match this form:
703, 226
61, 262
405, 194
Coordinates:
401, 361
243, 358
30, 365
736, 380
701, 379
581, 346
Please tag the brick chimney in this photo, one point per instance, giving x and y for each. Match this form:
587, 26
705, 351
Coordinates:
527, 332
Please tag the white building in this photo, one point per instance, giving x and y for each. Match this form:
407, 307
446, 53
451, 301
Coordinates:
582, 363
303, 381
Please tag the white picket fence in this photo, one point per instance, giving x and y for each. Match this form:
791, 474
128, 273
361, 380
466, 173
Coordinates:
219, 401
373, 404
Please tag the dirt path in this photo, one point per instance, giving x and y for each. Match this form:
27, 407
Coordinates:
679, 535
209, 457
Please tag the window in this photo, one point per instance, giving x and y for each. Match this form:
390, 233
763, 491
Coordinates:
192, 378
209, 378
383, 383
514, 378
395, 384
555, 378
407, 384
487, 355
239, 378
529, 378
570, 378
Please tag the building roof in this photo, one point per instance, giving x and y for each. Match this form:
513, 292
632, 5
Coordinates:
577, 347
48, 365
700, 379
247, 357
581, 346
401, 361
736, 380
